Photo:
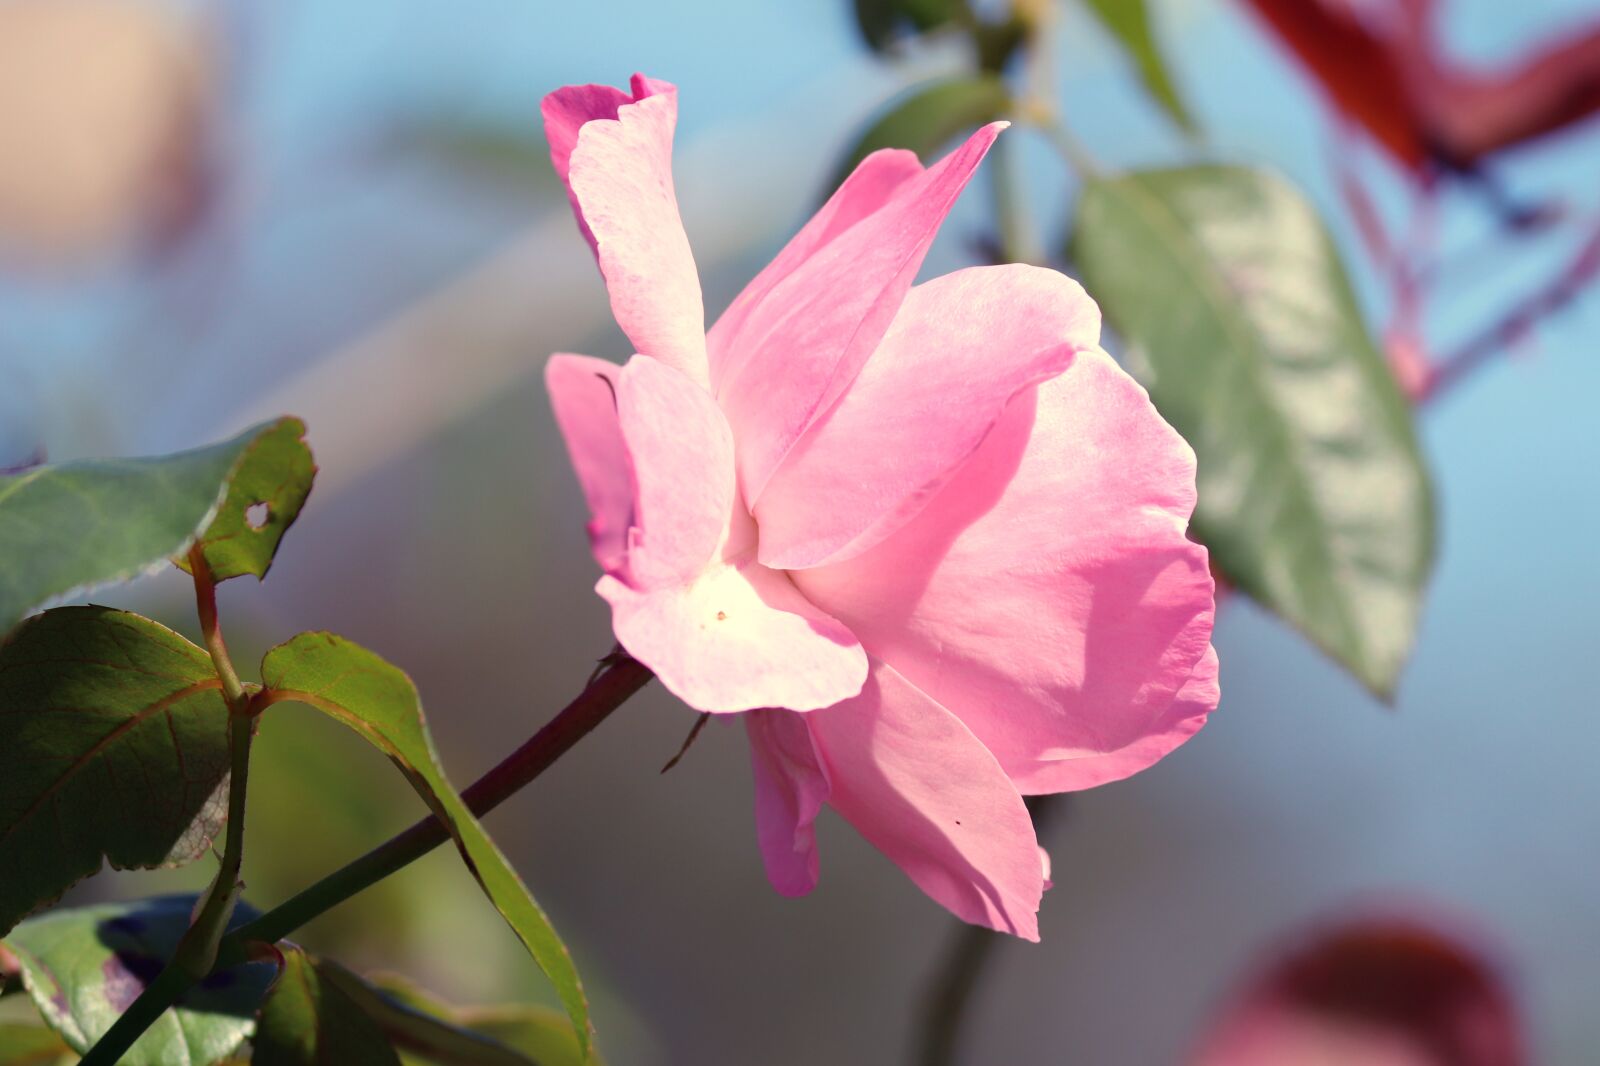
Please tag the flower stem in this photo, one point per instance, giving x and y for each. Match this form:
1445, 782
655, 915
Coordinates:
609, 690
950, 992
949, 997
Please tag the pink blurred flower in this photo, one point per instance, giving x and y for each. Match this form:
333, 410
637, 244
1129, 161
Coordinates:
929, 537
1379, 990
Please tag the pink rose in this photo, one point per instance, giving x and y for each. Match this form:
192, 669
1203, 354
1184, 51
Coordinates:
930, 539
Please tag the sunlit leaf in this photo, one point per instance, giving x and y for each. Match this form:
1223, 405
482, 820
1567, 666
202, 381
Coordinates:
1240, 320
927, 117
67, 528
308, 1020
113, 745
377, 700
1129, 22
265, 493
84, 967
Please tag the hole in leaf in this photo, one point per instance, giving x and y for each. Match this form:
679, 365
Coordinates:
257, 515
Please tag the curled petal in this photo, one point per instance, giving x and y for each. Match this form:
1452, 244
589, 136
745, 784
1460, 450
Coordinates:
791, 787
924, 791
1048, 595
792, 352
960, 348
583, 392
614, 151
737, 638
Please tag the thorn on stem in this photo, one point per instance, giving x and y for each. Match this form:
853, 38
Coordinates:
694, 731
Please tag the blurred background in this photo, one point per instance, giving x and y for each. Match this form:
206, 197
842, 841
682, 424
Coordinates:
212, 213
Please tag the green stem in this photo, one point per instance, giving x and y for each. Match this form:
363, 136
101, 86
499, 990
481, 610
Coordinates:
196, 953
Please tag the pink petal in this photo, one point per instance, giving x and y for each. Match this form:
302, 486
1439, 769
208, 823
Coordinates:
794, 350
565, 112
681, 453
924, 791
1181, 720
960, 348
736, 639
866, 190
1048, 595
615, 154
583, 393
791, 787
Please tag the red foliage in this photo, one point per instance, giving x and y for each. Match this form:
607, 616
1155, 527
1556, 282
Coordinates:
1426, 111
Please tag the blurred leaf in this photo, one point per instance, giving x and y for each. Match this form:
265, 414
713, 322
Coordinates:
69, 527
421, 1026
85, 966
1129, 22
308, 1020
881, 22
377, 700
1240, 320
512, 155
32, 1045
265, 493
113, 744
928, 116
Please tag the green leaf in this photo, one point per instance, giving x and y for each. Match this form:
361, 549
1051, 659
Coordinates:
1239, 319
377, 700
308, 1020
1129, 22
540, 1033
32, 1045
265, 493
70, 527
423, 1027
508, 154
84, 967
928, 116
113, 745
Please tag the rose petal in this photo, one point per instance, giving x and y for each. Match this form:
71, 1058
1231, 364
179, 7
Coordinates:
797, 348
615, 154
924, 791
960, 348
736, 639
866, 190
583, 393
1048, 595
1181, 720
791, 787
681, 452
